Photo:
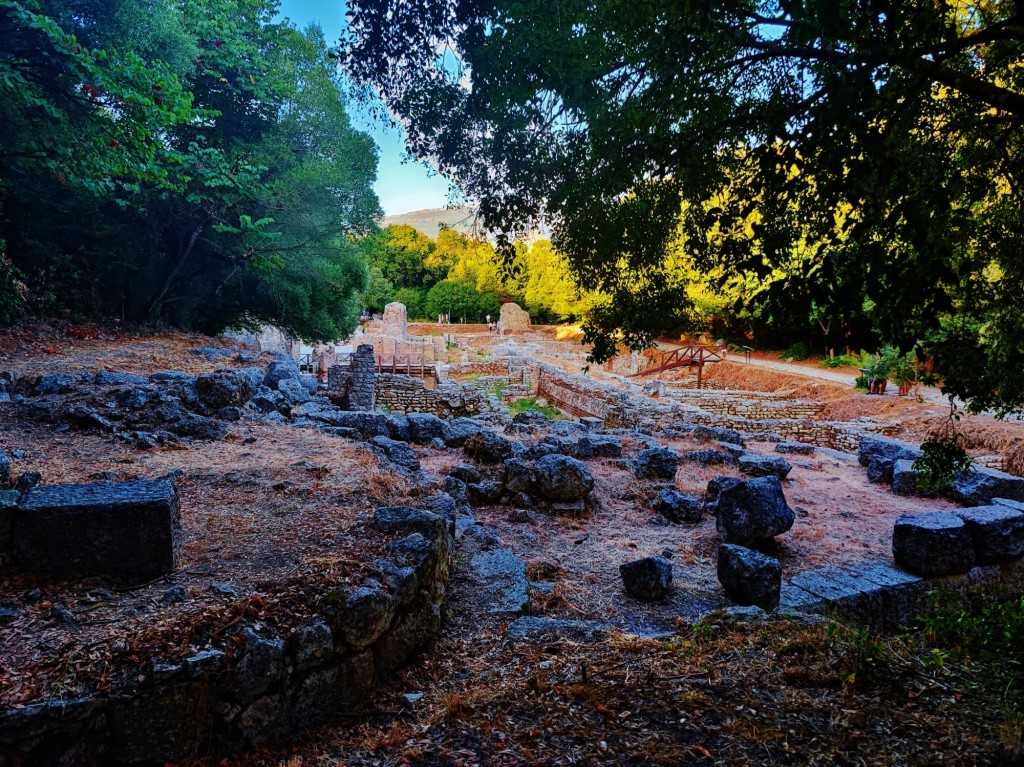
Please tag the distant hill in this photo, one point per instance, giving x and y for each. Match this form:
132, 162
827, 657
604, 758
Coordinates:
429, 221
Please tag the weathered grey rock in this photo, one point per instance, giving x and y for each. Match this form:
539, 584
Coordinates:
905, 480
412, 631
200, 427
110, 378
172, 377
678, 507
879, 455
205, 662
536, 629
399, 453
27, 481
293, 391
425, 427
500, 578
568, 508
531, 418
749, 511
997, 532
758, 465
932, 543
312, 645
406, 519
718, 434
214, 353
260, 666
456, 488
649, 578
749, 577
64, 383
979, 485
561, 478
106, 527
399, 427
657, 463
794, 448
445, 506
5, 470
594, 445
485, 492
459, 430
365, 617
401, 581
519, 475
487, 447
708, 457
281, 368
227, 387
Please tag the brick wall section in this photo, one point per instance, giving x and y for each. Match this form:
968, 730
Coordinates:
406, 394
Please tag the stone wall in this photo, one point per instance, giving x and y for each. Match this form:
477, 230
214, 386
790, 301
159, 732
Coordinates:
394, 322
582, 396
356, 381
255, 684
406, 394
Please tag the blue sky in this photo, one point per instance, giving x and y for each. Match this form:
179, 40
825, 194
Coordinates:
401, 186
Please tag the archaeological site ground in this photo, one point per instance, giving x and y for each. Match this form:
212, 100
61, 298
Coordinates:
498, 559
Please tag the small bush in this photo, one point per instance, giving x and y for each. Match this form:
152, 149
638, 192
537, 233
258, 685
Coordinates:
797, 352
843, 360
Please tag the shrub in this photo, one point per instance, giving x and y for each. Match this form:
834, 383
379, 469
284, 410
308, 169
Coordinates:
797, 351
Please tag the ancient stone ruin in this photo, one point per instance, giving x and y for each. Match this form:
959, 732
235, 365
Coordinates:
395, 322
354, 384
512, 318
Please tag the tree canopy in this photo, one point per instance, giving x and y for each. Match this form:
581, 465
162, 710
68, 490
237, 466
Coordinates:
183, 161
864, 156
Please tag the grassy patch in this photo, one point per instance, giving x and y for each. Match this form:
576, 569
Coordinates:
551, 412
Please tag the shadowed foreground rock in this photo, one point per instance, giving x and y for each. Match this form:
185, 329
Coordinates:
749, 577
129, 528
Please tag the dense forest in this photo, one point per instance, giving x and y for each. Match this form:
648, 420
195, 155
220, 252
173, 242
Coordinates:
463, 276
186, 162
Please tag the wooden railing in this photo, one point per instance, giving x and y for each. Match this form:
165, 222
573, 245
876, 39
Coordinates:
695, 354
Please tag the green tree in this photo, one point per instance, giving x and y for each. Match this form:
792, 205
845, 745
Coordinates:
605, 116
190, 162
379, 291
415, 302
461, 300
401, 253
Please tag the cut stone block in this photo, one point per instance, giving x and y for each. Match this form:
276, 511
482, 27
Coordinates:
933, 543
129, 528
979, 485
997, 532
905, 480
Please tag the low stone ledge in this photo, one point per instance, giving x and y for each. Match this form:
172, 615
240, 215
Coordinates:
260, 686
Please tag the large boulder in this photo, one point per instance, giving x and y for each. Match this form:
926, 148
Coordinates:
979, 485
487, 447
279, 369
749, 577
657, 463
227, 387
932, 543
425, 427
997, 532
561, 478
200, 427
879, 455
649, 578
398, 453
751, 510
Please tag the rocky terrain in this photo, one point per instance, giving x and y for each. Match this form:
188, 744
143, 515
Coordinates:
567, 533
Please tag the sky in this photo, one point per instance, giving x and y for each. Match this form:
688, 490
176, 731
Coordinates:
402, 186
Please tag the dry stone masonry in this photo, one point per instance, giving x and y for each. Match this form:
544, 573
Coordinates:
512, 319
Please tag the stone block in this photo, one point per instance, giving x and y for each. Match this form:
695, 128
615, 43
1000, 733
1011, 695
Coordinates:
130, 528
997, 532
932, 543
